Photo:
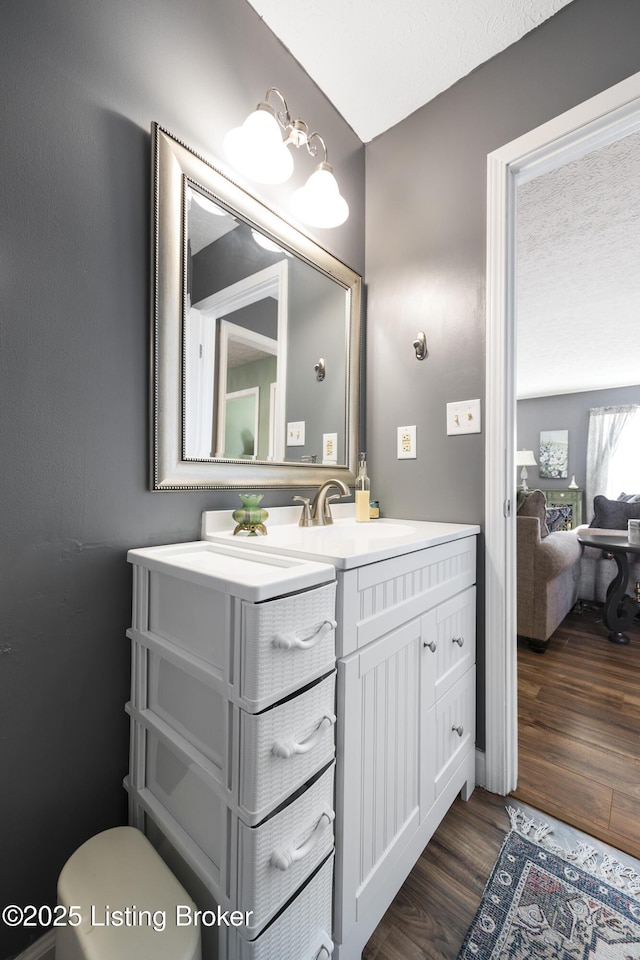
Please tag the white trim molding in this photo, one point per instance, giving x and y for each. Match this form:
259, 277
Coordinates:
607, 117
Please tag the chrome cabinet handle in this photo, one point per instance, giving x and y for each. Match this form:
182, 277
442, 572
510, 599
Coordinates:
458, 640
459, 730
431, 646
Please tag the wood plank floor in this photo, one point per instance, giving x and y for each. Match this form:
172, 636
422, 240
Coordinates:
579, 760
434, 908
579, 730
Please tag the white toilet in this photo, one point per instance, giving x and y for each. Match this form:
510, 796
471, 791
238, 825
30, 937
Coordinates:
127, 901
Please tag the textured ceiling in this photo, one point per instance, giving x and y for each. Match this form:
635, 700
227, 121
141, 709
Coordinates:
578, 274
377, 61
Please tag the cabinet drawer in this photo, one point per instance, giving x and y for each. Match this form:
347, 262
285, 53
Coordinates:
301, 932
379, 597
252, 653
285, 643
455, 715
282, 747
298, 837
449, 633
276, 857
263, 757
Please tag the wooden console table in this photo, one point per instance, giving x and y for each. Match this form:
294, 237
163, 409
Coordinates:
619, 608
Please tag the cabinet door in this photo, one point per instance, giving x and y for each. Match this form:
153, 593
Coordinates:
450, 639
379, 697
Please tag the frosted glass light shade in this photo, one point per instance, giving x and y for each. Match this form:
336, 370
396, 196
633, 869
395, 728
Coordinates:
319, 202
257, 149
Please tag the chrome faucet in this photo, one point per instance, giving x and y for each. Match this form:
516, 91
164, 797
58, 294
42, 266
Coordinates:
318, 514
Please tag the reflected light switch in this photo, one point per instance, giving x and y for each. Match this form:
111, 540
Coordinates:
295, 434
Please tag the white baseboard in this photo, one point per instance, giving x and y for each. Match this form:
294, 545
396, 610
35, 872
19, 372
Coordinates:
42, 949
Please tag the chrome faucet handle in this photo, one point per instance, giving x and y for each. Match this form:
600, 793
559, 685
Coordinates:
305, 516
328, 516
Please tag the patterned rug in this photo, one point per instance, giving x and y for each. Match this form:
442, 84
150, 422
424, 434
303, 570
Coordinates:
555, 901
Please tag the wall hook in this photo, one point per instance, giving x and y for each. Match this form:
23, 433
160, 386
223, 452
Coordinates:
420, 346
320, 369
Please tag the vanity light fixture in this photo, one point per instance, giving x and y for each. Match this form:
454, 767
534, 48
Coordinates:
258, 150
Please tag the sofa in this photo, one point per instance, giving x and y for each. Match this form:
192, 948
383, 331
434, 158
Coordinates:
555, 571
547, 578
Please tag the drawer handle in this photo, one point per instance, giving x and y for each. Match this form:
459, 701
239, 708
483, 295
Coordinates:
285, 857
325, 952
458, 640
283, 641
459, 730
287, 748
431, 646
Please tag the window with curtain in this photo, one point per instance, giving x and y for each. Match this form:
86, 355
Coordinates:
613, 452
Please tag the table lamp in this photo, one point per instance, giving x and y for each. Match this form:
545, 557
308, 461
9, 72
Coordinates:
524, 459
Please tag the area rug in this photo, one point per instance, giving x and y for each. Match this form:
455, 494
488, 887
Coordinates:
547, 900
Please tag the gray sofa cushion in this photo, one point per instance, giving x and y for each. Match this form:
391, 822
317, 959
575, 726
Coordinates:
535, 505
613, 514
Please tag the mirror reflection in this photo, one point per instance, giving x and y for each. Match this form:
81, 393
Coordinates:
256, 322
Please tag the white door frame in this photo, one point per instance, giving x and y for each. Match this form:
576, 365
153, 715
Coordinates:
604, 118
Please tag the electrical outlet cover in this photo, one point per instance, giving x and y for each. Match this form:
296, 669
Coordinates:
407, 443
329, 447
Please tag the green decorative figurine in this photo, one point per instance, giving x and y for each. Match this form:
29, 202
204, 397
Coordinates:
250, 516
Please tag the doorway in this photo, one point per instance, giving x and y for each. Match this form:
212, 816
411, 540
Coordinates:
607, 117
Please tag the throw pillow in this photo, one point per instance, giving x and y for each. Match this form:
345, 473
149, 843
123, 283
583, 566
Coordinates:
613, 514
630, 497
558, 518
535, 505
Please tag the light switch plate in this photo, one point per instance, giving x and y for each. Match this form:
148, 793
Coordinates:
407, 443
329, 447
295, 434
463, 416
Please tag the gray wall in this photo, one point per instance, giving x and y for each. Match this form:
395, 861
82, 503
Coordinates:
81, 83
570, 412
426, 249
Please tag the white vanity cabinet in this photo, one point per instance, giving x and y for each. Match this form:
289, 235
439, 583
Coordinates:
406, 731
405, 642
233, 739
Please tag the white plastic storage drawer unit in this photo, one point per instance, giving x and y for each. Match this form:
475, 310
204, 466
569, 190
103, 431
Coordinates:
264, 757
233, 737
300, 931
224, 607
263, 865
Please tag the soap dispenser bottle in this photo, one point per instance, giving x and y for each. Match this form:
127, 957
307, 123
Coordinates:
363, 491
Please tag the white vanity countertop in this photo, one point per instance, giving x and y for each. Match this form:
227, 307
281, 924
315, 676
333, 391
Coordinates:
345, 543
230, 568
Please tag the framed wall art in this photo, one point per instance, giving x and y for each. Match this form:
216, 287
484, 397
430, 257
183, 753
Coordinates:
554, 454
